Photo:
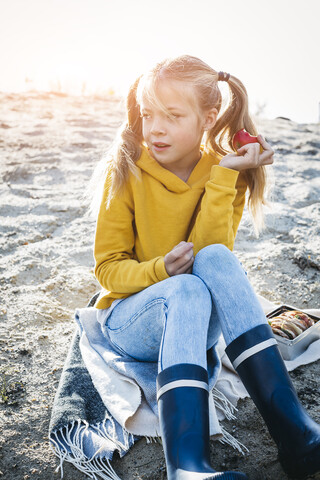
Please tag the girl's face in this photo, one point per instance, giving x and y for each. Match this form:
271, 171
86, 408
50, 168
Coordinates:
173, 134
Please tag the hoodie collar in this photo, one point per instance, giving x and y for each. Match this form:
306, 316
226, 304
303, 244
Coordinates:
197, 179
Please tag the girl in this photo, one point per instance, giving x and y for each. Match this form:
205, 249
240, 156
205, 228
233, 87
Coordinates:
165, 231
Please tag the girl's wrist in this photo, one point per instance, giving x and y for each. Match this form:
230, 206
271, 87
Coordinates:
227, 163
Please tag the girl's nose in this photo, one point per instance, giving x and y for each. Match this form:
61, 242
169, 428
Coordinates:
157, 127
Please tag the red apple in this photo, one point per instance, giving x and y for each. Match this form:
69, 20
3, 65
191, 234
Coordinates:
242, 137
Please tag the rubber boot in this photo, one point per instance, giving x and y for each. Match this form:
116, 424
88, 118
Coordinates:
256, 358
182, 392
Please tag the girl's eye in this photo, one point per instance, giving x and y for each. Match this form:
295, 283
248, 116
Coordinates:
145, 115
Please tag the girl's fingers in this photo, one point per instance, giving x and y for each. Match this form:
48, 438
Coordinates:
180, 256
265, 145
248, 146
249, 156
181, 243
183, 260
178, 251
181, 263
177, 262
263, 142
266, 157
251, 153
185, 267
255, 159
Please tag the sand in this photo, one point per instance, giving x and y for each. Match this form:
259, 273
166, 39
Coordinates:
49, 144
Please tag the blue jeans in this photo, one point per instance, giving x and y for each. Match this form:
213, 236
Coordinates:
178, 319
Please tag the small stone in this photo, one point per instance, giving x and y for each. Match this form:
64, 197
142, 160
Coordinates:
42, 337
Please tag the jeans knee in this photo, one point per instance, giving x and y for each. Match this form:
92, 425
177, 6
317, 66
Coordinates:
217, 254
190, 289
216, 263
191, 302
216, 249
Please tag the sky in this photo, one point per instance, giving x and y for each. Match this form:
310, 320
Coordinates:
86, 46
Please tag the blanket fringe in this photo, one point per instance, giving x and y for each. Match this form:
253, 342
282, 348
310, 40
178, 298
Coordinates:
128, 438
70, 450
228, 439
223, 404
153, 439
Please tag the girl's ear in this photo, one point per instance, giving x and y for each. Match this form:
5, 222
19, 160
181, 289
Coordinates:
210, 118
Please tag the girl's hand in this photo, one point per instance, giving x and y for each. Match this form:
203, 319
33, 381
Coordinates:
179, 259
249, 156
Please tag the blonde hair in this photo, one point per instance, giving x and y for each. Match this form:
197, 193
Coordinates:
204, 79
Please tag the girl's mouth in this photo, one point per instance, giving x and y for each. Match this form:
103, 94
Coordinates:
160, 147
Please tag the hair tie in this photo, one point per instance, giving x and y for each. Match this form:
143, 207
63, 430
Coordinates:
223, 77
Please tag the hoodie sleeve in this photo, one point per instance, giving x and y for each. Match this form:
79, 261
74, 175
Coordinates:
115, 267
221, 209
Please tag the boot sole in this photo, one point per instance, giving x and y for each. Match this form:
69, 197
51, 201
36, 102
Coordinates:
186, 475
227, 476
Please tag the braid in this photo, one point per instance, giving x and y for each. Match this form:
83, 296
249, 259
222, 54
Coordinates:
129, 146
235, 117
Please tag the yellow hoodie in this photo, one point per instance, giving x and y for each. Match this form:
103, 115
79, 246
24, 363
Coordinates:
155, 212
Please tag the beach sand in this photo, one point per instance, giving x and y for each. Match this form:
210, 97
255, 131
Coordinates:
49, 145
